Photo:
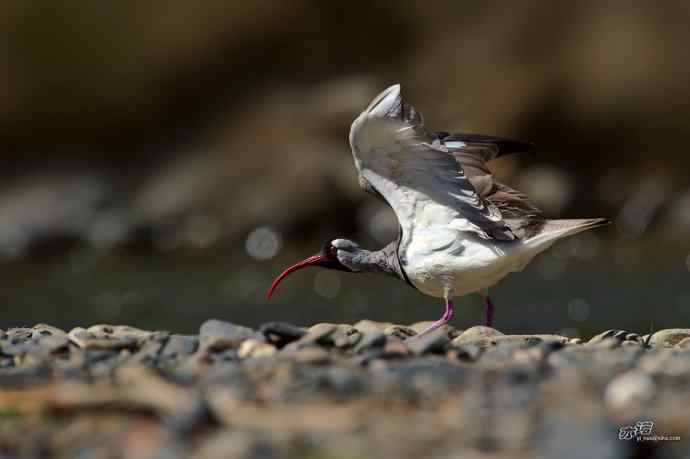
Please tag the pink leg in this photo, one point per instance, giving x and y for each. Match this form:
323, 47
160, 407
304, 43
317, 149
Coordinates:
447, 316
489, 312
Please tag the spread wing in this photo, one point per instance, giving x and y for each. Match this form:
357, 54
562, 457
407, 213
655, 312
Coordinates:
473, 151
400, 160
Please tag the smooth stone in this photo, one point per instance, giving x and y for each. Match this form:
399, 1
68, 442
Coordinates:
311, 354
367, 325
86, 340
436, 341
478, 332
670, 336
217, 335
629, 391
319, 334
47, 330
255, 348
281, 333
395, 347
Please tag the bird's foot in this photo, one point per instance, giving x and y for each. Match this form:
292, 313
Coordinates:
447, 316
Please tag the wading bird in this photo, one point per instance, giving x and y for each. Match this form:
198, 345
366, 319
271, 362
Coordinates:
460, 231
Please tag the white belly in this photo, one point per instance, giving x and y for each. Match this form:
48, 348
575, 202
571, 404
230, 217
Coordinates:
440, 263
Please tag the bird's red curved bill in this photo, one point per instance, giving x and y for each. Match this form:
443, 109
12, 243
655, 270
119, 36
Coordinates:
313, 260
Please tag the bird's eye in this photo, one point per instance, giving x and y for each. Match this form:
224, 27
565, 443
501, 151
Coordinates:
332, 252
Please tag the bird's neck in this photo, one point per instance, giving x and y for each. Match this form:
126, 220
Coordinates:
380, 261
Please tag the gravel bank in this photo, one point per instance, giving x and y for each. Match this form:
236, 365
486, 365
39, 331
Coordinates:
340, 391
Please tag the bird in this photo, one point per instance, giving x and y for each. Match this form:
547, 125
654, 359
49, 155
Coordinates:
460, 230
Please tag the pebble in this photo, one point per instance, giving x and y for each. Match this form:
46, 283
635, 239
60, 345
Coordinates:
255, 348
434, 342
293, 389
631, 391
281, 333
216, 335
370, 340
475, 333
669, 337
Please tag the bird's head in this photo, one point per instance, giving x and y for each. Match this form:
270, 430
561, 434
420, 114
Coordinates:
333, 255
390, 104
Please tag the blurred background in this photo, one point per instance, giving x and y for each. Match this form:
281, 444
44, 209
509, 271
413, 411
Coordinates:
161, 162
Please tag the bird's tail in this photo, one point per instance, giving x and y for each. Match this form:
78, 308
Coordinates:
554, 230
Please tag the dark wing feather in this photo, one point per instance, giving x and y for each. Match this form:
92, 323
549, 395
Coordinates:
473, 151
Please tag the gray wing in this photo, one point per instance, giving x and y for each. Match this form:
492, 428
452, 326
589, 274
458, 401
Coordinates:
400, 160
473, 151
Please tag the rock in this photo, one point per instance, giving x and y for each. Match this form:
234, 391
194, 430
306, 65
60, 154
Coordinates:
217, 335
475, 333
669, 337
317, 335
107, 341
434, 342
514, 340
281, 333
346, 336
685, 342
629, 392
370, 340
366, 326
419, 327
310, 354
399, 331
255, 348
395, 348
617, 335
178, 347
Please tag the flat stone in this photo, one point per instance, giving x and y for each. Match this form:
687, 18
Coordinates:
217, 335
669, 337
478, 332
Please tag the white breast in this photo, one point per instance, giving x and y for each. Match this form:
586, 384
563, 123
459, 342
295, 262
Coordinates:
447, 261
